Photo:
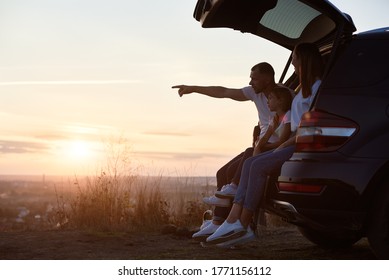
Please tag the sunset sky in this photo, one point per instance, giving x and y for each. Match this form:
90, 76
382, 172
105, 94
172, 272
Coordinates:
77, 75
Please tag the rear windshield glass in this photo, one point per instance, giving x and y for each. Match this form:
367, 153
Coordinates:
303, 17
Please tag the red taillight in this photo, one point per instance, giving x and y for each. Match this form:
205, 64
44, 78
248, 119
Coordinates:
323, 132
299, 188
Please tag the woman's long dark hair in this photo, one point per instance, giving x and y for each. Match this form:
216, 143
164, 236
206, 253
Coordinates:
311, 66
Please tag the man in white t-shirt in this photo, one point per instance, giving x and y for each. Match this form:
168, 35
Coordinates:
261, 84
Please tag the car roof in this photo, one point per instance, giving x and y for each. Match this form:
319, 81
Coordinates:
284, 22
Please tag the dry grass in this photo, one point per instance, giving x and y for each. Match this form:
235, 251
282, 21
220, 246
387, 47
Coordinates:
129, 203
116, 199
103, 203
106, 203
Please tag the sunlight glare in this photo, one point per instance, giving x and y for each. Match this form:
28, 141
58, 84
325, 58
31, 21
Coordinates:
79, 149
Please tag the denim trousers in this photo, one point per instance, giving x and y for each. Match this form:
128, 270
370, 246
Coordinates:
255, 173
230, 172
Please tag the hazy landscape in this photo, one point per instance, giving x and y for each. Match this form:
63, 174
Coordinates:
104, 202
111, 216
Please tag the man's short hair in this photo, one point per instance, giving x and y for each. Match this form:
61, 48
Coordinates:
264, 68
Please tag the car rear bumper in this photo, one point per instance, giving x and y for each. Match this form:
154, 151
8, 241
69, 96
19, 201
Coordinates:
338, 206
320, 220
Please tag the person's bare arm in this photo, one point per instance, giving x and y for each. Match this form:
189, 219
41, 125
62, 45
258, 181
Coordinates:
261, 142
284, 137
291, 141
212, 91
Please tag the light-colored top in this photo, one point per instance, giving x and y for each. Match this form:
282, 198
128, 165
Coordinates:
265, 116
285, 120
300, 105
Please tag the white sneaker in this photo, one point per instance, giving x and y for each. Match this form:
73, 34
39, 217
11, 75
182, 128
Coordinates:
205, 224
215, 201
249, 236
228, 191
202, 234
227, 232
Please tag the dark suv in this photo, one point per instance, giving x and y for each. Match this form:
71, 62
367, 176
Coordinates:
335, 187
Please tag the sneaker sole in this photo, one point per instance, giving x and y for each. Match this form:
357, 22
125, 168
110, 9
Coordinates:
221, 195
227, 237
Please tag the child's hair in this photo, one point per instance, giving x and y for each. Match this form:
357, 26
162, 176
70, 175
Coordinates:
285, 95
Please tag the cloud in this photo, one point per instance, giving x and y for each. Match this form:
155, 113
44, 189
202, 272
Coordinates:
164, 133
67, 131
69, 83
19, 147
179, 156
52, 136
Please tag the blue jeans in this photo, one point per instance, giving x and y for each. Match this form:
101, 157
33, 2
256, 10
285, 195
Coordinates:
254, 176
230, 172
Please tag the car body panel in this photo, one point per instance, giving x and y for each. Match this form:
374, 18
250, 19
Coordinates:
334, 167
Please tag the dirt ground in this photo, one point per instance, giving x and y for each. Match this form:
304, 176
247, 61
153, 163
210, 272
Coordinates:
274, 243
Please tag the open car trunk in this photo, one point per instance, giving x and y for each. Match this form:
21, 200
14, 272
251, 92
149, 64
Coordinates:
284, 22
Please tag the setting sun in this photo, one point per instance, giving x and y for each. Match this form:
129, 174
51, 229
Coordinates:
79, 149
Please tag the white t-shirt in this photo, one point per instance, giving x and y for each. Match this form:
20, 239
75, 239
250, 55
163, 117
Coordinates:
265, 116
285, 120
300, 105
